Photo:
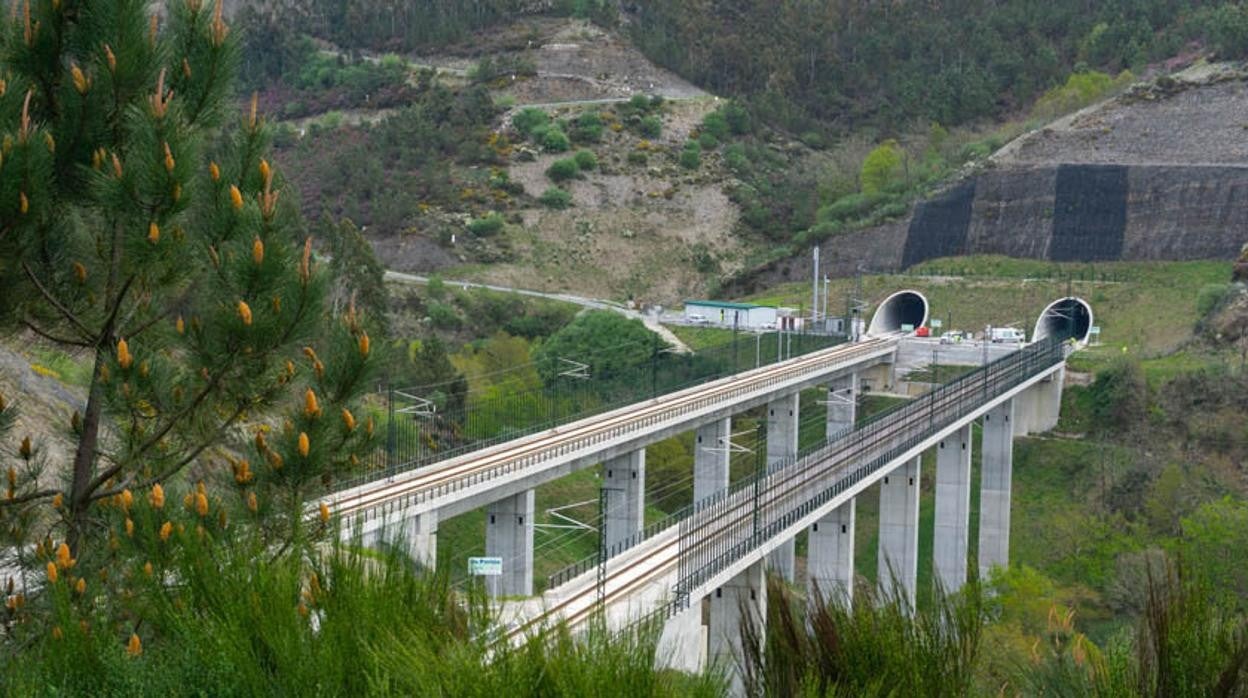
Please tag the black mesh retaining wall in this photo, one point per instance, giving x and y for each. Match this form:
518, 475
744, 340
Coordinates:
1090, 214
938, 228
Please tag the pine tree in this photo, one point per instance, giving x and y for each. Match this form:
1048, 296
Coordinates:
141, 224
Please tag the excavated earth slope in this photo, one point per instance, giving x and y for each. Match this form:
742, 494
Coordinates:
1158, 173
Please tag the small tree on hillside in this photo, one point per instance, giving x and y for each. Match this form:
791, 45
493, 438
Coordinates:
138, 230
880, 167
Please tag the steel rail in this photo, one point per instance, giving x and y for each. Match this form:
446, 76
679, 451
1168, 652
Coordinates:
528, 451
828, 466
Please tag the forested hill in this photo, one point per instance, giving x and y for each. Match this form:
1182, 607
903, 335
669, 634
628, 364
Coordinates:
413, 26
847, 63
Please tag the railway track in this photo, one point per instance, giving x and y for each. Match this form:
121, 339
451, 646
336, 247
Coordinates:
730, 524
526, 452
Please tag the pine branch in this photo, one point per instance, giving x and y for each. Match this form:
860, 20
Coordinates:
38, 494
56, 303
49, 336
173, 469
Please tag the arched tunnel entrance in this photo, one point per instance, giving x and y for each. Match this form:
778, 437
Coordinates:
903, 308
1067, 317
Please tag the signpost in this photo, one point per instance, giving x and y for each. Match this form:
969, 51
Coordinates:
485, 566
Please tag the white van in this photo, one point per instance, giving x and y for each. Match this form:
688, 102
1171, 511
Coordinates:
1007, 335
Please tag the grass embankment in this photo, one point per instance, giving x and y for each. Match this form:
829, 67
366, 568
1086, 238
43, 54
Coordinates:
1149, 307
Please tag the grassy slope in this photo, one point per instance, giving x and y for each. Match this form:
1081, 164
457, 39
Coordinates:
1148, 307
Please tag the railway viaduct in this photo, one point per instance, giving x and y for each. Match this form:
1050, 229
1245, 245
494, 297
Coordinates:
704, 570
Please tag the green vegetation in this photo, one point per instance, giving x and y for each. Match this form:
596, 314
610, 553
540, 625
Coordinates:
338, 622
691, 155
487, 225
389, 175
553, 139
563, 169
530, 119
586, 160
588, 128
1150, 307
615, 342
839, 65
880, 168
650, 126
556, 198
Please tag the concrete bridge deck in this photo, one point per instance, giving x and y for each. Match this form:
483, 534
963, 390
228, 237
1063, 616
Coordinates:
735, 530
476, 479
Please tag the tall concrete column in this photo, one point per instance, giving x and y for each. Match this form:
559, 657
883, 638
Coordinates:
953, 509
994, 500
898, 557
744, 596
509, 535
711, 458
624, 479
842, 405
420, 532
782, 425
830, 555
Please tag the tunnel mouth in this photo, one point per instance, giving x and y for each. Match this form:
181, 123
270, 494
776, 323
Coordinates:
1065, 318
898, 311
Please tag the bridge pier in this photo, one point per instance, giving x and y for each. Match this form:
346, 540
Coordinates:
682, 644
842, 405
509, 535
898, 559
994, 501
830, 551
624, 482
782, 426
711, 458
420, 533
953, 509
744, 596
830, 556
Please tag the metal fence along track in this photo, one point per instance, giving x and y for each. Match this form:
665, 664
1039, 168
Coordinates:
727, 527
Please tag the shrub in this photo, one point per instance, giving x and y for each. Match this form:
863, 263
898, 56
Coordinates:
526, 120
735, 158
586, 160
716, 125
708, 141
556, 198
1119, 396
691, 155
436, 288
588, 128
651, 127
1209, 298
443, 316
563, 169
487, 225
639, 103
637, 157
555, 141
738, 119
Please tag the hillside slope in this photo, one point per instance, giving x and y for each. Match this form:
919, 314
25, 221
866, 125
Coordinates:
1157, 173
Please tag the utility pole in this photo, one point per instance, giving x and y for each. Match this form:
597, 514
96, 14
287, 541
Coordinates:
736, 316
814, 288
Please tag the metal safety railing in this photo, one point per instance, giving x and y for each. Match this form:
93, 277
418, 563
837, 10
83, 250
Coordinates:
976, 387
365, 505
425, 425
728, 526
